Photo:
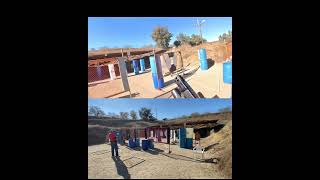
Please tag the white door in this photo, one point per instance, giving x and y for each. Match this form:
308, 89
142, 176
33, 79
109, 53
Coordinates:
112, 72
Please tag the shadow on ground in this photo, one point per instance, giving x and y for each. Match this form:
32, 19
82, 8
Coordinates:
146, 71
132, 95
94, 84
210, 63
167, 83
104, 81
165, 95
134, 149
200, 95
216, 97
185, 158
184, 75
122, 170
211, 146
154, 151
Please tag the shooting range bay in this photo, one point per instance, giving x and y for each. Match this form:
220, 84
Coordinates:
160, 138
151, 72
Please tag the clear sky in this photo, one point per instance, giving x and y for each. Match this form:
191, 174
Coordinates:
166, 108
136, 31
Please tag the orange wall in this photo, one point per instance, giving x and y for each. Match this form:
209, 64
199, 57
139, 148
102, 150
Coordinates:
229, 50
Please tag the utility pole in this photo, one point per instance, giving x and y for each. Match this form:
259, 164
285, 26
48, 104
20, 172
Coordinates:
199, 24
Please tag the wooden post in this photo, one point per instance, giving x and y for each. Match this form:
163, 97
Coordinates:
124, 75
145, 133
219, 77
168, 136
128, 54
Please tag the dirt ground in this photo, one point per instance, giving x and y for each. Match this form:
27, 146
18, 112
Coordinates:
216, 51
209, 83
141, 86
151, 164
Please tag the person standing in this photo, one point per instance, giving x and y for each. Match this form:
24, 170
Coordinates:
113, 140
197, 137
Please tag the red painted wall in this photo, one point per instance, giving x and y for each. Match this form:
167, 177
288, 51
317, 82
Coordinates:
93, 74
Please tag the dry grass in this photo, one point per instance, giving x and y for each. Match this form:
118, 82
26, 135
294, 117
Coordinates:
216, 51
118, 124
222, 150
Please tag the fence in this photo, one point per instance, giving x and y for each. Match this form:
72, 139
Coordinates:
98, 69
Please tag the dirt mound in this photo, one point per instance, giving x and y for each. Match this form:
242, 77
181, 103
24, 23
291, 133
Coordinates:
118, 124
219, 146
97, 134
216, 51
98, 128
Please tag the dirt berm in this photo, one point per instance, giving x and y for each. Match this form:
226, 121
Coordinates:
98, 128
219, 146
217, 52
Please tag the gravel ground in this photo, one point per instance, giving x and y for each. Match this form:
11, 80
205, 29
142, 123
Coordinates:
157, 163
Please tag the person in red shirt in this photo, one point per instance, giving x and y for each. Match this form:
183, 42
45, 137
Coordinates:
113, 140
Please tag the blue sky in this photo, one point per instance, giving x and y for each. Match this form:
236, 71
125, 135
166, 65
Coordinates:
136, 31
166, 108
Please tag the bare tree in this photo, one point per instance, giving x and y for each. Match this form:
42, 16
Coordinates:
96, 111
133, 115
161, 36
145, 114
183, 38
196, 40
124, 115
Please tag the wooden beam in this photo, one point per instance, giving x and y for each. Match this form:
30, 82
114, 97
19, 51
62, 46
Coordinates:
200, 124
146, 54
196, 126
192, 122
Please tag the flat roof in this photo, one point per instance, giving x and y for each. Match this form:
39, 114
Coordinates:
117, 52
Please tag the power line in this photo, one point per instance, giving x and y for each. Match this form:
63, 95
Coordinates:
199, 25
